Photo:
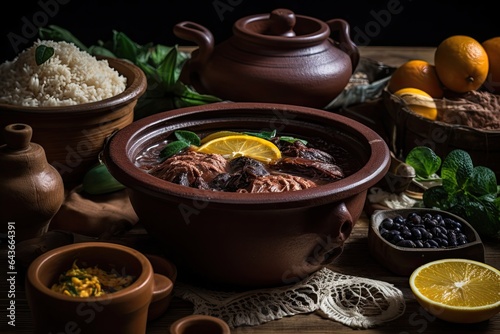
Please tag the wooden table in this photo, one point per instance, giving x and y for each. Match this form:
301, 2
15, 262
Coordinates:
355, 260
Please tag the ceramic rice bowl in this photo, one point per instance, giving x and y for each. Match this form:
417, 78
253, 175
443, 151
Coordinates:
244, 239
73, 136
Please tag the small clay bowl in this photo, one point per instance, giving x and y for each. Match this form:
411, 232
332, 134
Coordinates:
404, 260
199, 324
123, 311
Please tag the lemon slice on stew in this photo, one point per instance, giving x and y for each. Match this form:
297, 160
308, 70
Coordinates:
457, 290
218, 134
235, 146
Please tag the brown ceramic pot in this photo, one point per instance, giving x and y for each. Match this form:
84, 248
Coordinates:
199, 324
249, 239
32, 191
73, 136
124, 311
278, 57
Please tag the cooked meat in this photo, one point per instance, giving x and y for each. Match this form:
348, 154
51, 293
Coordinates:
277, 183
185, 168
312, 168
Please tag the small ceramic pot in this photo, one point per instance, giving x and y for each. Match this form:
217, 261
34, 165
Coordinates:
124, 311
200, 324
32, 190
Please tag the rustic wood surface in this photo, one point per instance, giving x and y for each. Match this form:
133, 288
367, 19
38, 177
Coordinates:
355, 260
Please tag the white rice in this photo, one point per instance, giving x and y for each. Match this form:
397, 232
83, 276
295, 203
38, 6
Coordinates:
71, 76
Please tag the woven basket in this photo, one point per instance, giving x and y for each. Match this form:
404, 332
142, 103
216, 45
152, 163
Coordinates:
407, 130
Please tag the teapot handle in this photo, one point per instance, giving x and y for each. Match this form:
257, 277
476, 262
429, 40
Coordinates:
343, 41
200, 35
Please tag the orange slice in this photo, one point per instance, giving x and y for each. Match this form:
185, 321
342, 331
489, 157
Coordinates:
234, 146
457, 290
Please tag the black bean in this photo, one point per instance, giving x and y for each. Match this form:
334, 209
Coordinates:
406, 243
396, 238
387, 223
417, 234
399, 219
424, 231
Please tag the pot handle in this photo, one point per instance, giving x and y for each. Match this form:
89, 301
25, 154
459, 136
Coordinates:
330, 248
200, 35
343, 41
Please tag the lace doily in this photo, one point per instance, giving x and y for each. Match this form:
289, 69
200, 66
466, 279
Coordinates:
356, 302
390, 200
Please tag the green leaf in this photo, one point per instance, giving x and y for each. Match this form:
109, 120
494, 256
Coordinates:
483, 216
167, 69
173, 148
97, 50
290, 139
436, 197
124, 47
188, 137
43, 53
263, 134
456, 170
482, 182
158, 54
56, 33
424, 160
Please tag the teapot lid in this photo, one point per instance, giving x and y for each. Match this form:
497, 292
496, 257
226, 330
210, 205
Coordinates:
281, 27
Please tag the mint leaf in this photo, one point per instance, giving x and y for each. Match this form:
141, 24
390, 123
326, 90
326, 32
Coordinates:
482, 182
425, 162
173, 148
43, 53
188, 137
456, 170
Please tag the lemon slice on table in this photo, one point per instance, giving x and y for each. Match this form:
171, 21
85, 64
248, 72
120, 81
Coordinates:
457, 290
235, 146
419, 102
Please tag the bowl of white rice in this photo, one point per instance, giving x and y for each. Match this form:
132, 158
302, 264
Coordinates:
73, 101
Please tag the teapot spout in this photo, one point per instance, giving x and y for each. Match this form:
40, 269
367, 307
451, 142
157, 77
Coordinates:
204, 39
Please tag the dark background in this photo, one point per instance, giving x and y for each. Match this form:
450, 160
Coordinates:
390, 22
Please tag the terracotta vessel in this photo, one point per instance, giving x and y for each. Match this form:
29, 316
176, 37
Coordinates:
238, 239
124, 311
199, 324
32, 190
73, 136
279, 57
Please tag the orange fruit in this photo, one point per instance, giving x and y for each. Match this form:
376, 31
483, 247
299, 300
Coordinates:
457, 290
419, 102
492, 48
419, 74
234, 146
461, 63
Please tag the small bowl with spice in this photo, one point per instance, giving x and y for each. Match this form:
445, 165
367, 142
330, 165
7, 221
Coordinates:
93, 287
404, 239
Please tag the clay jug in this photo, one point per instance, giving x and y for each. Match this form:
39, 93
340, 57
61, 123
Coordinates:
32, 190
278, 57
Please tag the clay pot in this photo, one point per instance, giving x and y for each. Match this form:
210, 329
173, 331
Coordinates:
73, 136
124, 311
279, 57
248, 240
199, 324
32, 191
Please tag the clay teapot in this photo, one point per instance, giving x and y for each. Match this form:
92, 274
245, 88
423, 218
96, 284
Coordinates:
279, 57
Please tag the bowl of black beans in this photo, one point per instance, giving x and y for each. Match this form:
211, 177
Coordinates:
404, 239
